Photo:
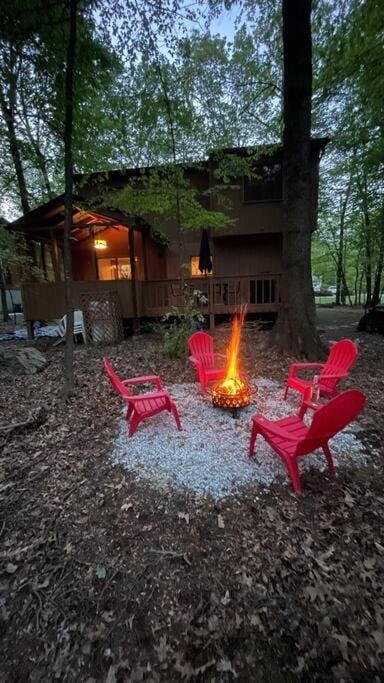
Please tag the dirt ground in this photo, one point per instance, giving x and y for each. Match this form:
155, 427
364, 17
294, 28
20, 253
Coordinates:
103, 578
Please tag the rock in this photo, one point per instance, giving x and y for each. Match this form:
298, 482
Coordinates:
24, 361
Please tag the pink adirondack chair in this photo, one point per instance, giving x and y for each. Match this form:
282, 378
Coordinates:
292, 439
204, 358
340, 360
141, 406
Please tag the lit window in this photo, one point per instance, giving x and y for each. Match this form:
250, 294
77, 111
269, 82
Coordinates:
115, 268
194, 263
107, 268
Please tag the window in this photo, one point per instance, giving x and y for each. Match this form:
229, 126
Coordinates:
194, 264
266, 187
115, 268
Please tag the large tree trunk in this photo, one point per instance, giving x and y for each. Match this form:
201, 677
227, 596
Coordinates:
8, 110
295, 330
341, 292
379, 266
39, 156
68, 199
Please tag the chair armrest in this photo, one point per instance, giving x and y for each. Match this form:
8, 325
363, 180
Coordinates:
310, 405
271, 427
144, 397
154, 379
195, 361
301, 366
341, 375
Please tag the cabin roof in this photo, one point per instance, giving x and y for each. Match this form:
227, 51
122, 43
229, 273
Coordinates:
50, 217
317, 145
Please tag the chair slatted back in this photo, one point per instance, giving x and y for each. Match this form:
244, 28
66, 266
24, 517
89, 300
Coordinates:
340, 360
117, 384
331, 419
201, 347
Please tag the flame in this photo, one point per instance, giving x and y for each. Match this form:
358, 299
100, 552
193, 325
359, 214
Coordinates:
232, 384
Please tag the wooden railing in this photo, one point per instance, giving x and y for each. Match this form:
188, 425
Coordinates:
224, 294
45, 300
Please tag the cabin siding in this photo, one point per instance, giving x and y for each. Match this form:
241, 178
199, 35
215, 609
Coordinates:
247, 254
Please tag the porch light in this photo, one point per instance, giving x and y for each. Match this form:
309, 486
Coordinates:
100, 244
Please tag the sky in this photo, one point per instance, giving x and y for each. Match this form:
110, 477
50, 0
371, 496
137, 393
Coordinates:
225, 23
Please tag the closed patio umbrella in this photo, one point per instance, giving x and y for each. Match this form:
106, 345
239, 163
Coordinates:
205, 258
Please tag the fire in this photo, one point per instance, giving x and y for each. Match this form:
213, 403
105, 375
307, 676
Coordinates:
232, 383
233, 392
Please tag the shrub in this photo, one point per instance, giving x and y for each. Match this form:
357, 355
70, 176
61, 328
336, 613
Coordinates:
178, 324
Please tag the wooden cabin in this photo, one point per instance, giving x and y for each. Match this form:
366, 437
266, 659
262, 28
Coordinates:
115, 251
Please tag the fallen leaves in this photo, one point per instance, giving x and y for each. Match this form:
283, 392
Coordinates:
10, 568
184, 516
111, 580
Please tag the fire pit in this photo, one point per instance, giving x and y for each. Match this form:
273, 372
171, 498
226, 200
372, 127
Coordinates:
233, 392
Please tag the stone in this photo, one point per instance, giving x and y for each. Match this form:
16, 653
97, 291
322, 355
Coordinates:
22, 361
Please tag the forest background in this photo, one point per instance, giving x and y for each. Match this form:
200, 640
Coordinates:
219, 67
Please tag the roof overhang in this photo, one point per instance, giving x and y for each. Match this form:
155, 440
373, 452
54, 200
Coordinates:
40, 223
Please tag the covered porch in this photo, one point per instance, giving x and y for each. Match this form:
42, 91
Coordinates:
117, 254
153, 298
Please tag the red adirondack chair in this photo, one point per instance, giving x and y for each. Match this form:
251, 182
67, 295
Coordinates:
141, 406
292, 439
204, 358
340, 360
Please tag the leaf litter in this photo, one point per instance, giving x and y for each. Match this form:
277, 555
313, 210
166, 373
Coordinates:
289, 590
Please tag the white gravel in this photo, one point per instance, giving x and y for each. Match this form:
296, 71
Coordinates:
210, 455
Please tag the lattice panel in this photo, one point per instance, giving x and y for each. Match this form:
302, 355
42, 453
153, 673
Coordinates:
102, 317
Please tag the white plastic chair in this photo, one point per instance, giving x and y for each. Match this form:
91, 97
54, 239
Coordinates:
78, 326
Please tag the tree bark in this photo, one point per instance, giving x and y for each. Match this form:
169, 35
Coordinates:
379, 268
8, 111
40, 158
68, 197
295, 331
340, 270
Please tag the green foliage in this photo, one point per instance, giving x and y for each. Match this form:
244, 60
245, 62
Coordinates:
13, 254
155, 194
178, 324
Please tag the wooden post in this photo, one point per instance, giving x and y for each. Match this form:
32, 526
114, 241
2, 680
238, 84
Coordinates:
145, 261
55, 257
43, 260
131, 245
30, 329
94, 255
211, 305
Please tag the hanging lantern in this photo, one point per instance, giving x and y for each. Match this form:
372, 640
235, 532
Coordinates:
100, 244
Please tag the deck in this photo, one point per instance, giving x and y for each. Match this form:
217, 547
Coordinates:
45, 300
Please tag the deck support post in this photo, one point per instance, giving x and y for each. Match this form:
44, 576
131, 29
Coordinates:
131, 245
30, 330
55, 257
43, 260
94, 255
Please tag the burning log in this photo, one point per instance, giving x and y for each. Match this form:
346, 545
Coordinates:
233, 392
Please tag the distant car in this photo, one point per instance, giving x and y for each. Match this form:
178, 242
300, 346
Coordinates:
332, 289
373, 320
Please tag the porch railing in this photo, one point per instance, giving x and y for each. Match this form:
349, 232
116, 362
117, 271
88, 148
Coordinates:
224, 294
45, 300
